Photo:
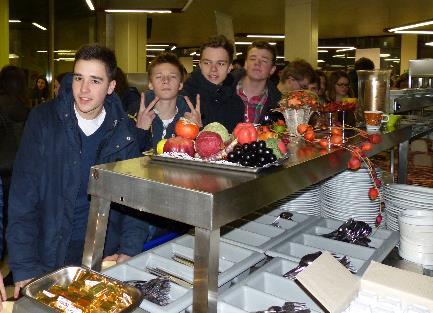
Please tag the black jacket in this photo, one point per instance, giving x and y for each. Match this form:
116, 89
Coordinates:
274, 95
218, 103
46, 180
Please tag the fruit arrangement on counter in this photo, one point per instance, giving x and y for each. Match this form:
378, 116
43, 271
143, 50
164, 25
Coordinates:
249, 145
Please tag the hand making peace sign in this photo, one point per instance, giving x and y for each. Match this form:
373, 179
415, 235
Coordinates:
146, 115
195, 114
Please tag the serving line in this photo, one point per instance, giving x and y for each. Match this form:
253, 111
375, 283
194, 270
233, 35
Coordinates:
207, 199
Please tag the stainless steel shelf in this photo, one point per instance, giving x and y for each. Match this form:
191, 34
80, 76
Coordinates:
209, 198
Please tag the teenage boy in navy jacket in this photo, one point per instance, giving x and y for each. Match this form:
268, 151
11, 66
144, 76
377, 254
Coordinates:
48, 203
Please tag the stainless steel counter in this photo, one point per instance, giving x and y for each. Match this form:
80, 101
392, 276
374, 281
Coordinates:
208, 198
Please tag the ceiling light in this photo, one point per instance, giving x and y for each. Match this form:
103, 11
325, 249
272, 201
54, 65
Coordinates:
338, 56
345, 49
138, 11
266, 36
172, 48
336, 47
425, 32
14, 21
195, 61
90, 5
155, 45
193, 53
65, 59
250, 43
13, 56
155, 49
324, 51
320, 61
392, 59
39, 26
150, 55
384, 55
410, 26
41, 51
429, 43
238, 53
280, 57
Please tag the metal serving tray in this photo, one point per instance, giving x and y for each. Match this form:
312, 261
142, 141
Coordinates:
64, 277
216, 165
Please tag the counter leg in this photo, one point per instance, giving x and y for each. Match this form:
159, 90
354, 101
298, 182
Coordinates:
95, 233
206, 264
403, 151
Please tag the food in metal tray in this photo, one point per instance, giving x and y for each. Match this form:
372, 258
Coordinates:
87, 293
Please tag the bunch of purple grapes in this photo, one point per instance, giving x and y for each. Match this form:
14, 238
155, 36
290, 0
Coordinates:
254, 154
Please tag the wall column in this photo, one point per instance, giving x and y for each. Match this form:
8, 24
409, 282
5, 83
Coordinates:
130, 40
301, 30
409, 51
4, 29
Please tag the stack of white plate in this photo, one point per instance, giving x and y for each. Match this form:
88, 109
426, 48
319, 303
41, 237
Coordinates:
305, 201
345, 196
399, 197
416, 236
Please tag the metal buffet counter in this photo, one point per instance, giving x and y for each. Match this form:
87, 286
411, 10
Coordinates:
210, 198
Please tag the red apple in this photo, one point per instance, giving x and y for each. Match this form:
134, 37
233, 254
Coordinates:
336, 139
354, 164
282, 146
373, 193
180, 145
366, 146
375, 138
336, 131
302, 128
309, 135
324, 143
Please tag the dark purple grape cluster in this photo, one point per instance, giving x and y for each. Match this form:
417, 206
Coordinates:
252, 154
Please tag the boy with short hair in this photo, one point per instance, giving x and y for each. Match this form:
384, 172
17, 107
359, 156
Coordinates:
48, 203
165, 107
214, 84
257, 92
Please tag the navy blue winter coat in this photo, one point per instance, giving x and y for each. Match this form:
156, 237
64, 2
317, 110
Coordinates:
46, 180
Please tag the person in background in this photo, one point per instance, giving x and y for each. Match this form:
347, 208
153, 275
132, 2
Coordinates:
212, 81
14, 108
323, 86
257, 92
2, 286
161, 107
238, 64
338, 89
48, 201
129, 96
339, 86
57, 82
296, 75
402, 81
360, 64
40, 91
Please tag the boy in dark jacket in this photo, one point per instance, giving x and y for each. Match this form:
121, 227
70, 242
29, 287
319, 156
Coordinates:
48, 203
162, 107
214, 84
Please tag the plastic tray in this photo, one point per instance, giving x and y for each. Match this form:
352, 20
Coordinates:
255, 232
234, 262
309, 240
180, 297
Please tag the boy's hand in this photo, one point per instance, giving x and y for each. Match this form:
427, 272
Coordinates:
145, 115
19, 285
194, 115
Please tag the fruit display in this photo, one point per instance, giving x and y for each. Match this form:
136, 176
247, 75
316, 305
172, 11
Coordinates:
215, 144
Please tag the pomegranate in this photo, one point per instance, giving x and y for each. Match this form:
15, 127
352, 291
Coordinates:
208, 143
354, 164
